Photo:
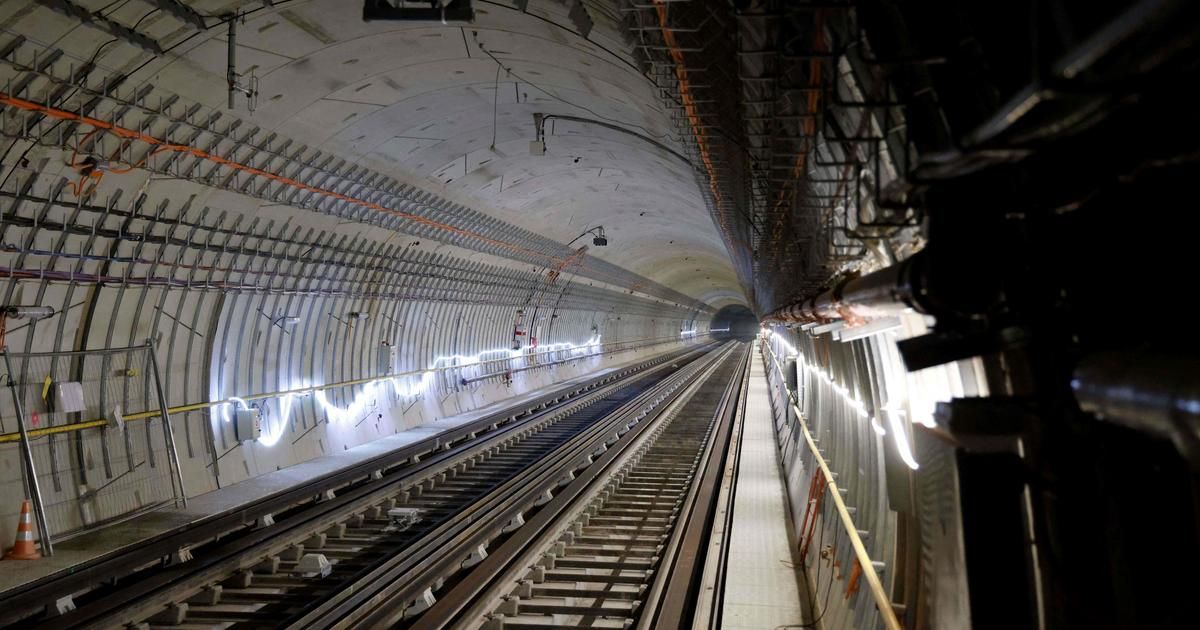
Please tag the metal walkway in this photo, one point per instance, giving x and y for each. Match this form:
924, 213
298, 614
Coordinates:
763, 589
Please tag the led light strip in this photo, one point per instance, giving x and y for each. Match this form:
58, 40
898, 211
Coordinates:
892, 410
402, 386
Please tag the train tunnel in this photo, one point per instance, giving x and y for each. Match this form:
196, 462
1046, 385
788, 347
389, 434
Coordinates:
527, 314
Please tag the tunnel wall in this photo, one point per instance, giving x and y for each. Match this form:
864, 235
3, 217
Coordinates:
874, 423
396, 331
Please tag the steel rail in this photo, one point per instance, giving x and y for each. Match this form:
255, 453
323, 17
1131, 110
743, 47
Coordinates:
672, 598
20, 602
710, 596
173, 587
874, 584
384, 596
488, 587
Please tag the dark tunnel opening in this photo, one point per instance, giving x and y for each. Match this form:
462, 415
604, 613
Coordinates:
734, 322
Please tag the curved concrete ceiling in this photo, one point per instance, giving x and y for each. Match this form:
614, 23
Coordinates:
451, 109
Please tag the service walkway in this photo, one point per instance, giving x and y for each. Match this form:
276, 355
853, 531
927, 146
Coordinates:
763, 590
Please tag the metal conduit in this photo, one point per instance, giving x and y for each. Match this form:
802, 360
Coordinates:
856, 300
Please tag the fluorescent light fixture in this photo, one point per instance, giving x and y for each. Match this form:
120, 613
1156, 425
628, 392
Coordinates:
824, 328
402, 386
895, 415
876, 327
901, 439
28, 312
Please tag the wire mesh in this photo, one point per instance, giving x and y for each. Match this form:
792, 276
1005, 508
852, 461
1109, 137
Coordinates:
91, 477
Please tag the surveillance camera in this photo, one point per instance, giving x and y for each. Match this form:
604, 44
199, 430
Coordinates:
600, 241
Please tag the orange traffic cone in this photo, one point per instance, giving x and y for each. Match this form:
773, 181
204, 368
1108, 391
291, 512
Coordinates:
24, 549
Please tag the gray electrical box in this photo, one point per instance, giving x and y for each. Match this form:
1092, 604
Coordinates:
68, 397
248, 425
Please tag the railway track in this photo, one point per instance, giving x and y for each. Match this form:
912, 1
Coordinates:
305, 575
629, 550
601, 571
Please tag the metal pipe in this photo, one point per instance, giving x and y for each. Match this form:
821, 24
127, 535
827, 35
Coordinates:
34, 488
882, 293
230, 70
541, 132
168, 430
1153, 393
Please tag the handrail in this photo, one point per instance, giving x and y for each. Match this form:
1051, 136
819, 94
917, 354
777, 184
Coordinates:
146, 415
882, 602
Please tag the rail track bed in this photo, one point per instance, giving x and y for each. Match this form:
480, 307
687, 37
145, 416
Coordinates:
601, 571
277, 589
629, 554
305, 571
572, 517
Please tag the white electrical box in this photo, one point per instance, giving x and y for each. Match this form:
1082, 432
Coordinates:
248, 425
68, 397
387, 358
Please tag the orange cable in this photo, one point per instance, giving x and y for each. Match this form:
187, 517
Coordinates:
689, 106
855, 574
799, 167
